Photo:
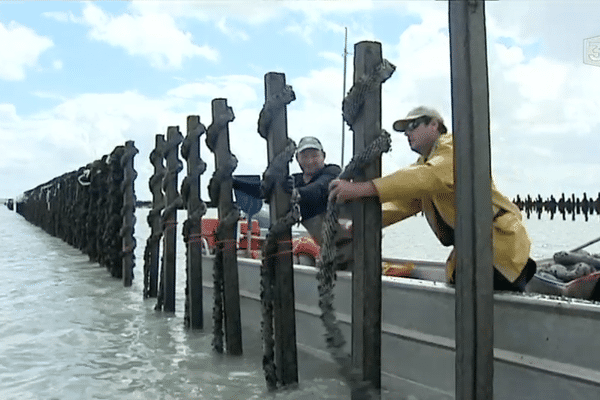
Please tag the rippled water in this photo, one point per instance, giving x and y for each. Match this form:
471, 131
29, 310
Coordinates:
70, 331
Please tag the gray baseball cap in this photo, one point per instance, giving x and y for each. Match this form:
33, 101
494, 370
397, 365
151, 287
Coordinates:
415, 113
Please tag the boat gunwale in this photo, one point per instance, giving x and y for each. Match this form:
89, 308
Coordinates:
562, 305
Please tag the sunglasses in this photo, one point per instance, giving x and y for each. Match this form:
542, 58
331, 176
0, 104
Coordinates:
412, 125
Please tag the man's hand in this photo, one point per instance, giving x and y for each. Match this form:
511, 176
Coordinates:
342, 191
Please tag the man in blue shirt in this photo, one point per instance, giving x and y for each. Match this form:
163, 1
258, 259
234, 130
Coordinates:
312, 184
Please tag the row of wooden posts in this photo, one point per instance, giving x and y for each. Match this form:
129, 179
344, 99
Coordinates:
162, 219
160, 279
92, 209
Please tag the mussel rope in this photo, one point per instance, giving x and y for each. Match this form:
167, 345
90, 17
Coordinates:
334, 338
354, 101
276, 174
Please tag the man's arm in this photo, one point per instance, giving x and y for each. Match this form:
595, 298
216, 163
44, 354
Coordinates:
343, 191
314, 194
250, 188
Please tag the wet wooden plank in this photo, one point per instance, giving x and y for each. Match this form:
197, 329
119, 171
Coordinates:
231, 293
170, 185
286, 357
195, 168
366, 285
474, 287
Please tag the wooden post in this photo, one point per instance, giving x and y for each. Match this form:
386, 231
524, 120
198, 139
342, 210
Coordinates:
158, 203
286, 357
169, 218
474, 272
190, 150
366, 275
231, 295
128, 213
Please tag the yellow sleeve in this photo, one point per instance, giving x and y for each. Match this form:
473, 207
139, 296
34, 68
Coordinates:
393, 212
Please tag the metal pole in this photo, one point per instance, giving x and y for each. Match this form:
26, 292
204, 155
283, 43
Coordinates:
474, 311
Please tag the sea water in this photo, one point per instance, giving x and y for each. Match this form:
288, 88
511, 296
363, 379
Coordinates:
68, 330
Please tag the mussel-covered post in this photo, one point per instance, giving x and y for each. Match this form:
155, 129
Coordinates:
273, 127
366, 277
192, 228
152, 251
115, 206
169, 217
128, 212
227, 295
474, 288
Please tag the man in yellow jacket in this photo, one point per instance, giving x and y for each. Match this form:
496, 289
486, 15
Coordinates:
428, 186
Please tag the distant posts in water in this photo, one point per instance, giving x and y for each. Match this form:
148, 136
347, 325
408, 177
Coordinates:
152, 250
84, 208
166, 296
115, 205
128, 211
570, 205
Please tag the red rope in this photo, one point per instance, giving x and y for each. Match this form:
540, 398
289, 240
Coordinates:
280, 253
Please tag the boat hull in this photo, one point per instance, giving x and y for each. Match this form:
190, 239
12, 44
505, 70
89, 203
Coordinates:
545, 347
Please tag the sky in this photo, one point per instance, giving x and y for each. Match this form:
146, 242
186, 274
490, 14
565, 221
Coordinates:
78, 79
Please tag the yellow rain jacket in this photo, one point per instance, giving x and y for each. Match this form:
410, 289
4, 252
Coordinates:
428, 186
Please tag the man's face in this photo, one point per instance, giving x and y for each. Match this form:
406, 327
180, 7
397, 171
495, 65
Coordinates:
311, 161
421, 136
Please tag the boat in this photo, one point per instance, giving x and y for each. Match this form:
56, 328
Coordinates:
554, 357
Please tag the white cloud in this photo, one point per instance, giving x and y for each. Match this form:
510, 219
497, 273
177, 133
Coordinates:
152, 35
8, 113
80, 130
241, 89
57, 64
251, 12
231, 32
59, 16
20, 48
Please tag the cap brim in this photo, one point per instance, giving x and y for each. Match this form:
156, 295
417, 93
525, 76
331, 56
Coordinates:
308, 147
402, 124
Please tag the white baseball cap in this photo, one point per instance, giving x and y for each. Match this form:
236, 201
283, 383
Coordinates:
415, 113
309, 142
